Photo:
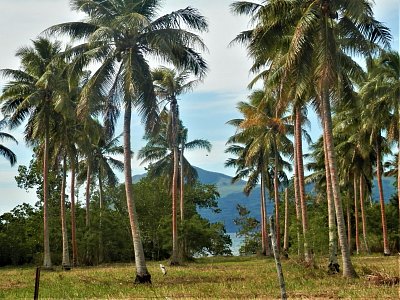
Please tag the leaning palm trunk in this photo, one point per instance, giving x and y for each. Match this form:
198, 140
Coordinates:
299, 154
333, 266
142, 274
46, 242
363, 217
356, 216
386, 250
65, 251
73, 218
276, 197
348, 269
286, 230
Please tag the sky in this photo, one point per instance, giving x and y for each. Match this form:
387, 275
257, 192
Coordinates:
204, 111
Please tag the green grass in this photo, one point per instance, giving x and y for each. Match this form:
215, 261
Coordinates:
216, 278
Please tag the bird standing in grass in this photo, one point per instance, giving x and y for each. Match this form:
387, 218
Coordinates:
163, 269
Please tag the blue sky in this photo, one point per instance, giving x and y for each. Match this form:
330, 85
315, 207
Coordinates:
204, 111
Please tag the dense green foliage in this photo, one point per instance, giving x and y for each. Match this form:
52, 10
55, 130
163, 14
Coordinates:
21, 244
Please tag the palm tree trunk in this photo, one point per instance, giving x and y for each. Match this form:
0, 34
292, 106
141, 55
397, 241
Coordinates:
300, 248
348, 269
65, 251
348, 215
87, 195
88, 259
73, 217
356, 216
398, 181
182, 187
304, 218
363, 217
142, 274
286, 230
101, 192
333, 266
386, 250
46, 240
174, 124
264, 235
276, 197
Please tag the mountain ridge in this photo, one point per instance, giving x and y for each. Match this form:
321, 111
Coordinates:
232, 194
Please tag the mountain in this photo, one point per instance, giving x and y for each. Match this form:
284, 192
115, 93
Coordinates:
232, 194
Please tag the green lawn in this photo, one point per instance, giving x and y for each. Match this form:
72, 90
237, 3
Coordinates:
216, 278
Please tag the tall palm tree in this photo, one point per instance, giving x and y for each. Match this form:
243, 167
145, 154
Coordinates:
5, 151
161, 152
254, 168
380, 93
121, 35
169, 85
267, 130
30, 94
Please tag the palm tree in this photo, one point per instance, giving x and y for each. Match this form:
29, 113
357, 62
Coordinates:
169, 85
268, 129
160, 152
254, 168
121, 35
4, 151
380, 93
31, 93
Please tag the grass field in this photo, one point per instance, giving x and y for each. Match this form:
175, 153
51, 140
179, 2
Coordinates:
207, 278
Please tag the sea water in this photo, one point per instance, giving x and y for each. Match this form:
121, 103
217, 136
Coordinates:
236, 243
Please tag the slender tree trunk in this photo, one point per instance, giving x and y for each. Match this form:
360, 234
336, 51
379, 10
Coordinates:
277, 260
300, 247
101, 193
87, 195
264, 217
65, 251
73, 217
348, 269
276, 197
46, 239
88, 259
398, 182
356, 216
299, 154
363, 217
182, 182
174, 188
386, 249
333, 266
142, 274
286, 230
348, 215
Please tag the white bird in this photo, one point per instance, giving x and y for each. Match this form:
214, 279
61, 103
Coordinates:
163, 269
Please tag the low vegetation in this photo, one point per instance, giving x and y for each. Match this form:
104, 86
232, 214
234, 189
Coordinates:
211, 277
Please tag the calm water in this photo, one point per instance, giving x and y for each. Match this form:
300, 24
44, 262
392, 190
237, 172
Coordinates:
236, 243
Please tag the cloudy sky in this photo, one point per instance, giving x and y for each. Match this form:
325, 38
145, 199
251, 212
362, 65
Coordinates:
204, 111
